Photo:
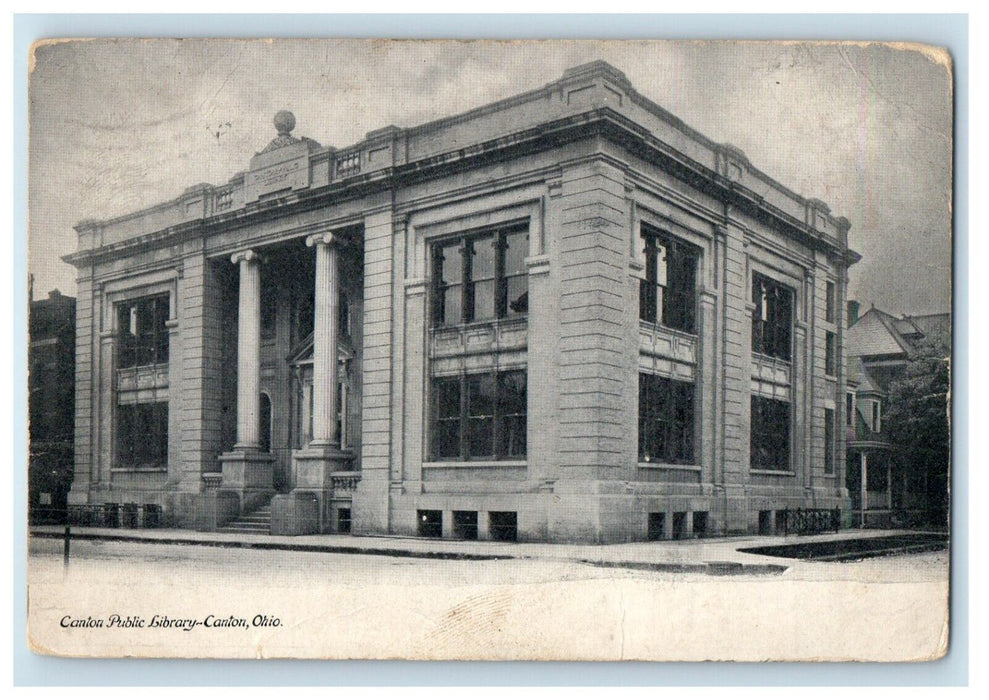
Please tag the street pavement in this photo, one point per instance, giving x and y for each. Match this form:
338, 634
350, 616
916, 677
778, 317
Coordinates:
708, 555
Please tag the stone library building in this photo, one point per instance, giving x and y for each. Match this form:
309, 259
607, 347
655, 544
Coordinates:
565, 316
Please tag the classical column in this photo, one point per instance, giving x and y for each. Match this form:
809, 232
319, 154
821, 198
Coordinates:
324, 423
248, 350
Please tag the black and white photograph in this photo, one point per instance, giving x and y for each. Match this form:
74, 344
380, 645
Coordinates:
489, 350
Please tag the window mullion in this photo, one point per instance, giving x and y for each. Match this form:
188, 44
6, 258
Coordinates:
501, 286
464, 419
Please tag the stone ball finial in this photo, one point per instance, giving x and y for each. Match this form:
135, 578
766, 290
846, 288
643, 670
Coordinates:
284, 122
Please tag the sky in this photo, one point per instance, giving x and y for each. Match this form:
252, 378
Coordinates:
118, 125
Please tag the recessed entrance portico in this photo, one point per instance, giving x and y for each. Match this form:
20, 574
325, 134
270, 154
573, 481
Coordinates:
305, 509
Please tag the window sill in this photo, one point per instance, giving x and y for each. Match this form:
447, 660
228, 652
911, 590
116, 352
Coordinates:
664, 465
507, 321
479, 463
770, 359
772, 472
654, 326
139, 470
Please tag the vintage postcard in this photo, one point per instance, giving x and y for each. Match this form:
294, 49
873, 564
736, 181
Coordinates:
556, 350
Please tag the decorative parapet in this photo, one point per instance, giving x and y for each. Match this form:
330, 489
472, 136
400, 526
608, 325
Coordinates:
212, 480
345, 481
347, 163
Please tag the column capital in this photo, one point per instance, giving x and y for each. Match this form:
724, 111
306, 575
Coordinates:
326, 238
245, 256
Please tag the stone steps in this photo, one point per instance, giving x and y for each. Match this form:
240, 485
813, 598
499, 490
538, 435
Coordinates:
257, 522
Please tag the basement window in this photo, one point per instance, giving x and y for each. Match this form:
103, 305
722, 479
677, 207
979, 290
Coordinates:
503, 526
655, 526
465, 524
429, 523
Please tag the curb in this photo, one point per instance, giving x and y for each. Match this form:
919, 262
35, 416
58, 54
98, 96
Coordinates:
325, 549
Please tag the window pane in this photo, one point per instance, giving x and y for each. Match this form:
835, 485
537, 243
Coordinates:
514, 436
512, 412
480, 442
684, 422
125, 435
450, 305
518, 295
482, 264
446, 439
480, 410
513, 392
647, 301
446, 424
662, 278
484, 300
516, 248
450, 263
447, 289
447, 398
161, 331
480, 395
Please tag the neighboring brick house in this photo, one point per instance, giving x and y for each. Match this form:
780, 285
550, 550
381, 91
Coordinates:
51, 404
564, 316
894, 490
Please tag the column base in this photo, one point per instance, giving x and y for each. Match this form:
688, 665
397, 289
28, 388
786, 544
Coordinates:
306, 510
249, 474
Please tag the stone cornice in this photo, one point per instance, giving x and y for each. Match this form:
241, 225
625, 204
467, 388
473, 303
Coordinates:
602, 121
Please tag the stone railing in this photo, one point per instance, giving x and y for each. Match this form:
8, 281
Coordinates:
212, 480
345, 481
348, 164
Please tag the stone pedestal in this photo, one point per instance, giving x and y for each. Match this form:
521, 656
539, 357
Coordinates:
248, 474
312, 477
296, 513
215, 508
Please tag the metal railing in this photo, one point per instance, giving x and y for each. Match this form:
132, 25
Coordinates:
811, 521
115, 515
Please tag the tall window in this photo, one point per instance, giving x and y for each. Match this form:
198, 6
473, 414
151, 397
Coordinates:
830, 354
830, 301
666, 420
141, 332
479, 416
668, 294
877, 420
849, 408
480, 277
829, 441
770, 439
142, 435
772, 318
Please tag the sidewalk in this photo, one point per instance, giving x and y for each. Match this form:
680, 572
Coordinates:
709, 555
